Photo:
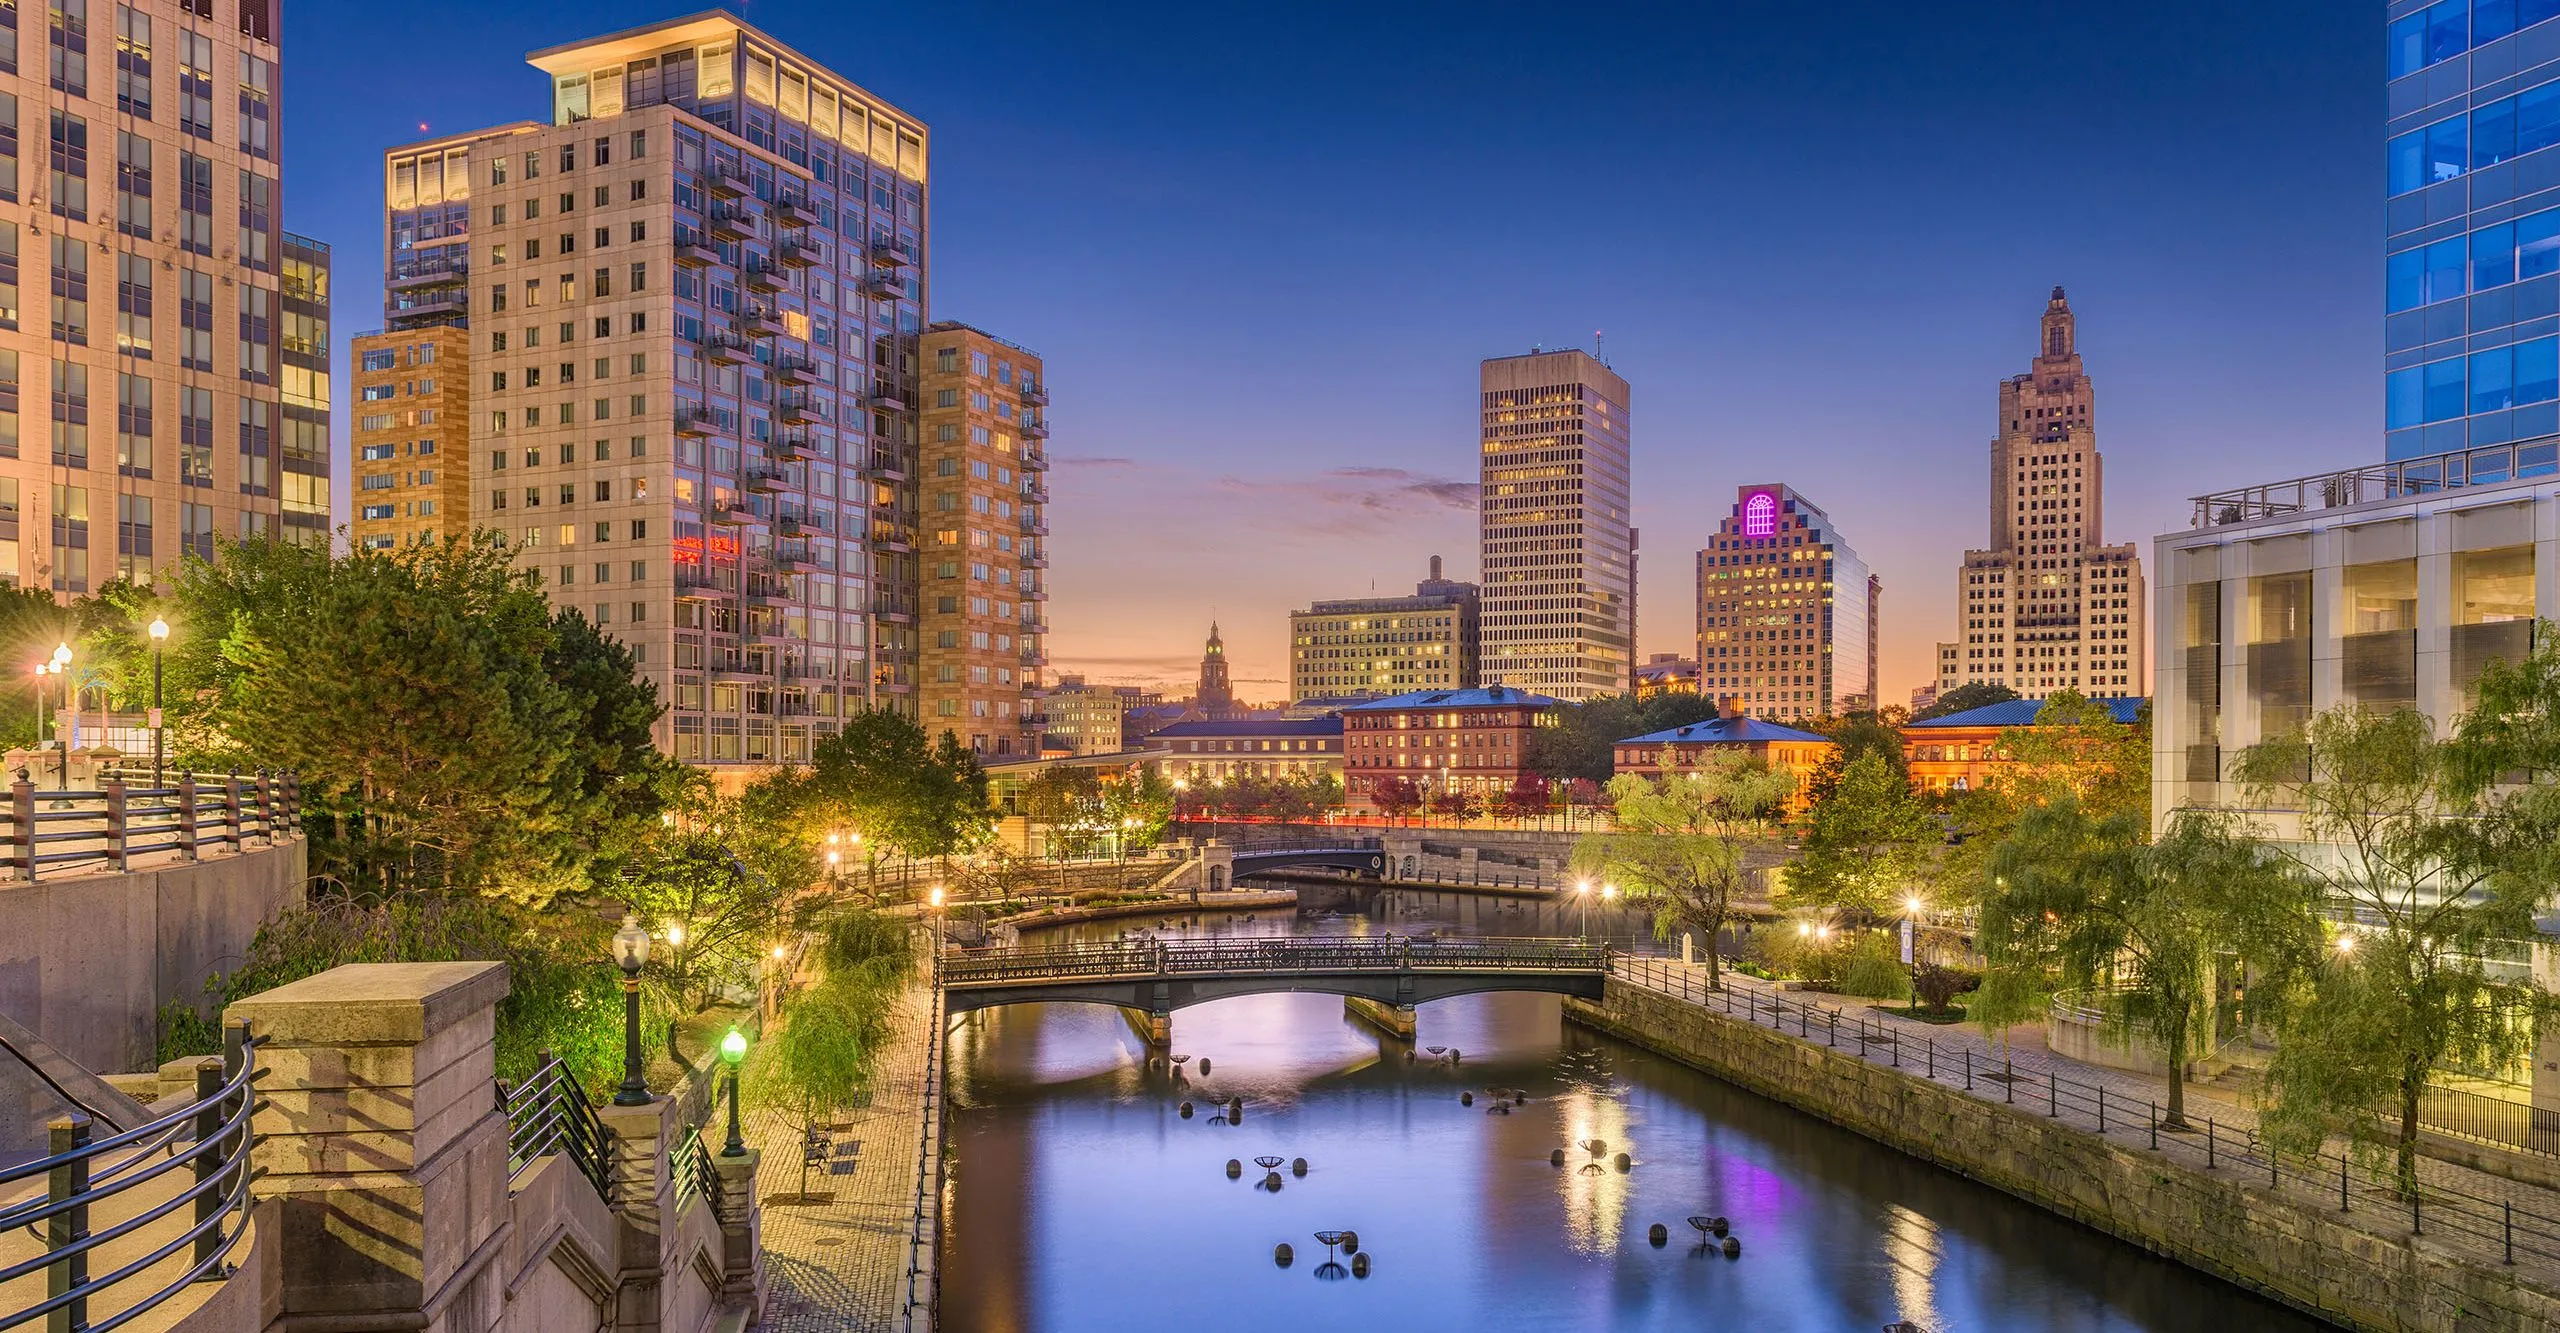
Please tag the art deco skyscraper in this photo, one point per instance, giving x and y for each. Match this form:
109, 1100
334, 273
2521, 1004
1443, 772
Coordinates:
1786, 611
172, 384
1558, 550
2049, 606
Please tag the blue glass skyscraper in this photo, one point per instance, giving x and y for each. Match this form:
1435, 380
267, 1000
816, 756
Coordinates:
2471, 333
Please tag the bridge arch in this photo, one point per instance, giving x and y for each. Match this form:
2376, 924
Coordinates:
1164, 996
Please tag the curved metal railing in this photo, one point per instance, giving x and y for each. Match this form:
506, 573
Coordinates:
549, 1113
1382, 953
201, 1212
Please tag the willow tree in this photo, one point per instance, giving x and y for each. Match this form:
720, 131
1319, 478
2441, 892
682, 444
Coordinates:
2433, 871
2081, 900
1680, 842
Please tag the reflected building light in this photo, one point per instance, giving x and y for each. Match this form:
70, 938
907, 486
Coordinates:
1912, 1250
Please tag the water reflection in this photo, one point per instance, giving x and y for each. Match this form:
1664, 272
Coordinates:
1082, 1200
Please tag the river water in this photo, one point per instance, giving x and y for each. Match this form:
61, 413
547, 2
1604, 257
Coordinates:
1081, 1199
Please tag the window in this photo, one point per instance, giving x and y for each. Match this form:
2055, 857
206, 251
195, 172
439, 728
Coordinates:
133, 425
70, 289
133, 62
257, 102
2439, 32
70, 163
133, 185
2423, 157
195, 84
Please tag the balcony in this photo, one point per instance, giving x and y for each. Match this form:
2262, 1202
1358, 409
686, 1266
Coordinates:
885, 468
794, 560
899, 610
760, 321
1035, 462
694, 422
1034, 395
442, 273
886, 400
794, 370
881, 284
1034, 526
795, 210
1035, 560
726, 347
448, 300
892, 540
765, 593
1035, 494
884, 253
764, 275
695, 250
730, 514
792, 526
738, 673
723, 181
732, 223
1034, 429
1032, 657
795, 409
800, 254
766, 480
790, 447
694, 587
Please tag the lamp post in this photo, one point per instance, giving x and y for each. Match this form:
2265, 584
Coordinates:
1608, 894
733, 1052
43, 669
933, 905
1582, 905
159, 636
630, 953
70, 698
1911, 947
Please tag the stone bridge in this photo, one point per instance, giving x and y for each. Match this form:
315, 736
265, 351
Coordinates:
1380, 977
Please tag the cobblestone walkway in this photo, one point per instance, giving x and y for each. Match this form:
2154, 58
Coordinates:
2472, 1215
842, 1265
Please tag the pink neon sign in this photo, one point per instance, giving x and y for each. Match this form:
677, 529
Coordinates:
1759, 514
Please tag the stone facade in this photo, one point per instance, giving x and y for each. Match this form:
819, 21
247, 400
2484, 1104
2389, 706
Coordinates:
412, 437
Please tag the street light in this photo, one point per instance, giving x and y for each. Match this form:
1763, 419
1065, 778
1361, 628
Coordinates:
42, 669
1608, 894
631, 953
1582, 905
1911, 947
62, 663
733, 1052
159, 636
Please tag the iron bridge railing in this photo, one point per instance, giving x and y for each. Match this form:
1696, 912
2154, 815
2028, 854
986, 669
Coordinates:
194, 1217
1383, 953
549, 1114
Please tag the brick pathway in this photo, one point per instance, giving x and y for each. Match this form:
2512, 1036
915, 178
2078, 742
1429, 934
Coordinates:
2470, 1215
843, 1265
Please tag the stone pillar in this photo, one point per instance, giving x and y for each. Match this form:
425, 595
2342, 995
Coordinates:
1219, 857
1153, 1028
642, 1198
741, 1235
1395, 1020
382, 1143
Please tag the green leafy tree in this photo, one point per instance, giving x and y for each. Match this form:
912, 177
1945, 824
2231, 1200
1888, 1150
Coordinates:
717, 915
1963, 698
1140, 805
2075, 750
880, 778
1067, 801
2393, 842
1866, 845
1852, 738
1680, 843
2085, 901
1580, 741
828, 1044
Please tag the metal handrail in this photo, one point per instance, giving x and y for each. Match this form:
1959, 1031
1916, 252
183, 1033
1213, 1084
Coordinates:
1279, 954
2329, 1176
550, 1113
690, 1168
78, 1175
122, 819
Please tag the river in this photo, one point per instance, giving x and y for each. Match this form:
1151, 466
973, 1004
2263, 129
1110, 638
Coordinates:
1081, 1199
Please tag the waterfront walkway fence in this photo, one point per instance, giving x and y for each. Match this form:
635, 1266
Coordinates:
2502, 1229
197, 815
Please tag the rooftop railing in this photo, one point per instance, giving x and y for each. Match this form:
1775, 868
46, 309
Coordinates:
2489, 465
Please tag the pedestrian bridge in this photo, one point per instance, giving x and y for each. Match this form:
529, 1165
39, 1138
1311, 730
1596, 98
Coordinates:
1369, 859
1157, 977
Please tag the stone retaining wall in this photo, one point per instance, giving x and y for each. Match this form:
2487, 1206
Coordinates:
2311, 1259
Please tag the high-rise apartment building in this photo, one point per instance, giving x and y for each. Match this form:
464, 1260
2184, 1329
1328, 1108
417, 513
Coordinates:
1371, 647
2049, 606
1786, 611
176, 389
2472, 278
692, 303
978, 619
1558, 551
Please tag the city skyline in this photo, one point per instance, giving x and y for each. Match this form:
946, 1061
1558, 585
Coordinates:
1737, 315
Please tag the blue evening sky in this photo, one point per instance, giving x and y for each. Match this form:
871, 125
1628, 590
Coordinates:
1263, 247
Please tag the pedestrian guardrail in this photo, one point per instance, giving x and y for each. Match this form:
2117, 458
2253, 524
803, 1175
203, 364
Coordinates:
178, 1185
924, 1227
51, 829
2497, 1227
2513, 1125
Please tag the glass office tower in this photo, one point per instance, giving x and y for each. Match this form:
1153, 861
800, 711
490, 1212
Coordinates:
2472, 281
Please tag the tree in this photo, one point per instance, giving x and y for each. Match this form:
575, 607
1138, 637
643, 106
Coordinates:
1068, 802
1972, 695
880, 778
1527, 798
1140, 805
2394, 842
2083, 900
1856, 735
1454, 803
1680, 843
1396, 798
1580, 743
1865, 845
2075, 749
727, 914
823, 1055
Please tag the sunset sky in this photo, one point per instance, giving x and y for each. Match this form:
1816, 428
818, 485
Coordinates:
1262, 254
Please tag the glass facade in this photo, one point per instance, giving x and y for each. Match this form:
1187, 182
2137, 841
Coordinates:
2471, 280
